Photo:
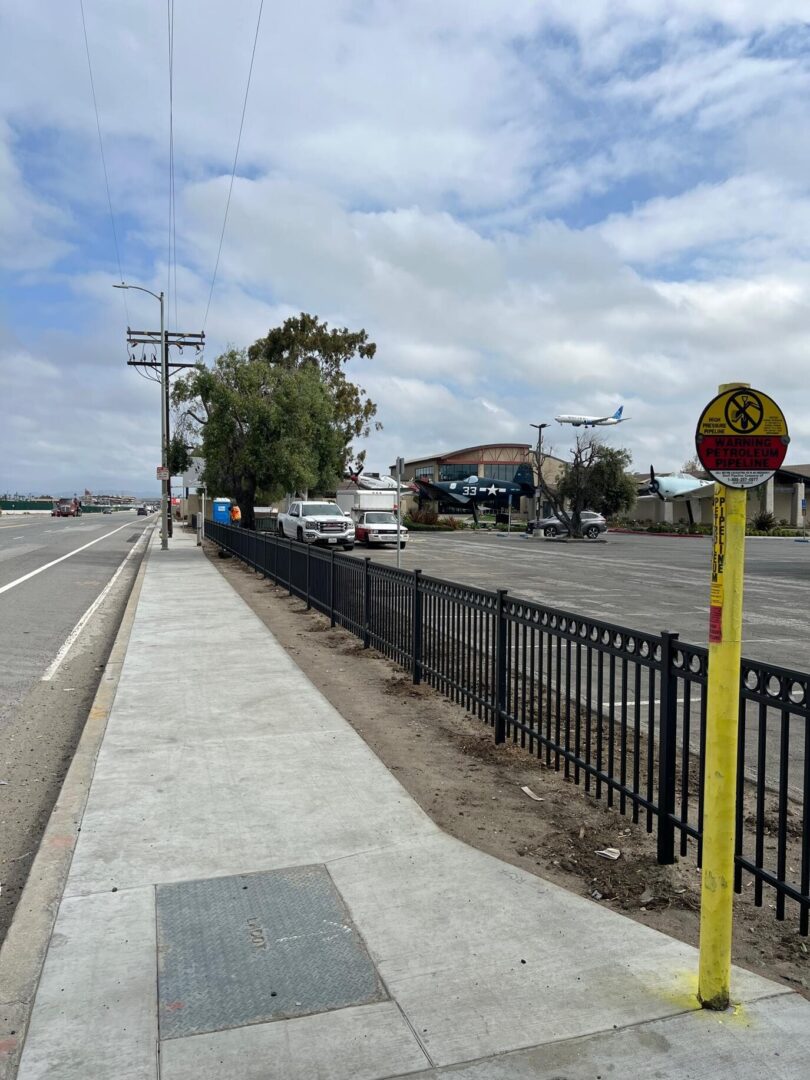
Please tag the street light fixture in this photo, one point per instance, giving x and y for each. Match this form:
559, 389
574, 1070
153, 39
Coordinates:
164, 450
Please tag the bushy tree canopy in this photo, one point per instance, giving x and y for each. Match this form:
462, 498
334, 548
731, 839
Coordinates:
279, 416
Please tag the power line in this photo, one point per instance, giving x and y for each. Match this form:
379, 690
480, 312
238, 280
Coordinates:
101, 148
171, 286
235, 159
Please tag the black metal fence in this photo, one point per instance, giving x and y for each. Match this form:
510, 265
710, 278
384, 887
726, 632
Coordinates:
621, 711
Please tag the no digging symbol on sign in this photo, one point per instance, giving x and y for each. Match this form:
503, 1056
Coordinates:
742, 438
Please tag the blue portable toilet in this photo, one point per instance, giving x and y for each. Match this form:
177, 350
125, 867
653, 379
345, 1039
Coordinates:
221, 511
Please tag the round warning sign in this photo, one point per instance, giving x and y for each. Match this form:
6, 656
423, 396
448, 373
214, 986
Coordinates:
742, 437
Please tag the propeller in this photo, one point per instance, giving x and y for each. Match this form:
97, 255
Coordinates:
655, 487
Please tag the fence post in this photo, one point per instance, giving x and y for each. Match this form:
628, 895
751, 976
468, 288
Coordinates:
366, 603
667, 752
309, 601
332, 587
500, 669
416, 629
289, 565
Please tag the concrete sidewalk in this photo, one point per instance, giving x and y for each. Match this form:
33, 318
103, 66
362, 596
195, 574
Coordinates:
254, 895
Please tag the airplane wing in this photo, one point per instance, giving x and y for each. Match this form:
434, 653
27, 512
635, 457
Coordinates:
705, 491
430, 492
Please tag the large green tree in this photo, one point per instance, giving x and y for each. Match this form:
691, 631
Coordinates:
279, 416
304, 342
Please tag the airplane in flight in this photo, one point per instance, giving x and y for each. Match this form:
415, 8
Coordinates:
593, 421
676, 487
476, 491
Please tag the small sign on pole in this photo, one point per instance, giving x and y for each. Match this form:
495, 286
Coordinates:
162, 472
741, 441
741, 438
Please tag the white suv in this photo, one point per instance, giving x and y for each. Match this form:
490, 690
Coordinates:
317, 523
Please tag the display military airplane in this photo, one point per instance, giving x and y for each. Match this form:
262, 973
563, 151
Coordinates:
593, 421
677, 486
377, 483
477, 490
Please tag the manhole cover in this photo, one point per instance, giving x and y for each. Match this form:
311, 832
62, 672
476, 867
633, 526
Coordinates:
257, 947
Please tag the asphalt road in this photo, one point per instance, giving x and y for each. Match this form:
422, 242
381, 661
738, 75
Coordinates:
61, 601
643, 582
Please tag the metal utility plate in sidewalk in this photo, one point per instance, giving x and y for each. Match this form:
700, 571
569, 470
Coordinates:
257, 947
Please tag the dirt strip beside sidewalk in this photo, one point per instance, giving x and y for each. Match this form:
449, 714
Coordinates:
447, 760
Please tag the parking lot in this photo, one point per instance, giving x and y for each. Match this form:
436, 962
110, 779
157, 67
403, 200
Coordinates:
645, 582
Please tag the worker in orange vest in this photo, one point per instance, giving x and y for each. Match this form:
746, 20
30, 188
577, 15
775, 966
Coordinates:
236, 515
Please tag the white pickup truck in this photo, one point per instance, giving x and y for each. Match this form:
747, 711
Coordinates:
317, 523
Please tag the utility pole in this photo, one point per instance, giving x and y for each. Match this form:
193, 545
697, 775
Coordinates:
165, 339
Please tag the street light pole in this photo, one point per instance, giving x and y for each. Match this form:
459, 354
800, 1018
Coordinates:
400, 466
164, 383
539, 466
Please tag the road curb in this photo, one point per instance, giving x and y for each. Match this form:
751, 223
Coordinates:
26, 945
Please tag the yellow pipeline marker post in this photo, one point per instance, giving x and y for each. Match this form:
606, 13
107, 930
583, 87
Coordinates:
741, 440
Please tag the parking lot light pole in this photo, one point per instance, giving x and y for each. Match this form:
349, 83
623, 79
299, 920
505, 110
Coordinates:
400, 466
164, 381
539, 466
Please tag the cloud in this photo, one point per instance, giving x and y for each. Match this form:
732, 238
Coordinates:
746, 219
532, 209
29, 225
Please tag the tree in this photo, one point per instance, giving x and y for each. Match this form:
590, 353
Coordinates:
610, 490
595, 480
278, 417
178, 458
305, 342
693, 467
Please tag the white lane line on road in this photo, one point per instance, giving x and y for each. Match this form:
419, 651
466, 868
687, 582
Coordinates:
70, 554
72, 637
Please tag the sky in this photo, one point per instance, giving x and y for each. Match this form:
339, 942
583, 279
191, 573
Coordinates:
532, 208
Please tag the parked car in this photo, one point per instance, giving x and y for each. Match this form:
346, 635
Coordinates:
317, 523
107, 510
592, 525
379, 527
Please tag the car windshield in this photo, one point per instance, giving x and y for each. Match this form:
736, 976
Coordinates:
380, 519
313, 509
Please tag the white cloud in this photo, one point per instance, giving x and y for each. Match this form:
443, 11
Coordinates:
30, 226
531, 208
745, 219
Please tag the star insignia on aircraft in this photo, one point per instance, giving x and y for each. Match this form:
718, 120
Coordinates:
492, 490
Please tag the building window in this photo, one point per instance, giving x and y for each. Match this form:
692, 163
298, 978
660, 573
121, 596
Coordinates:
457, 472
424, 472
500, 472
